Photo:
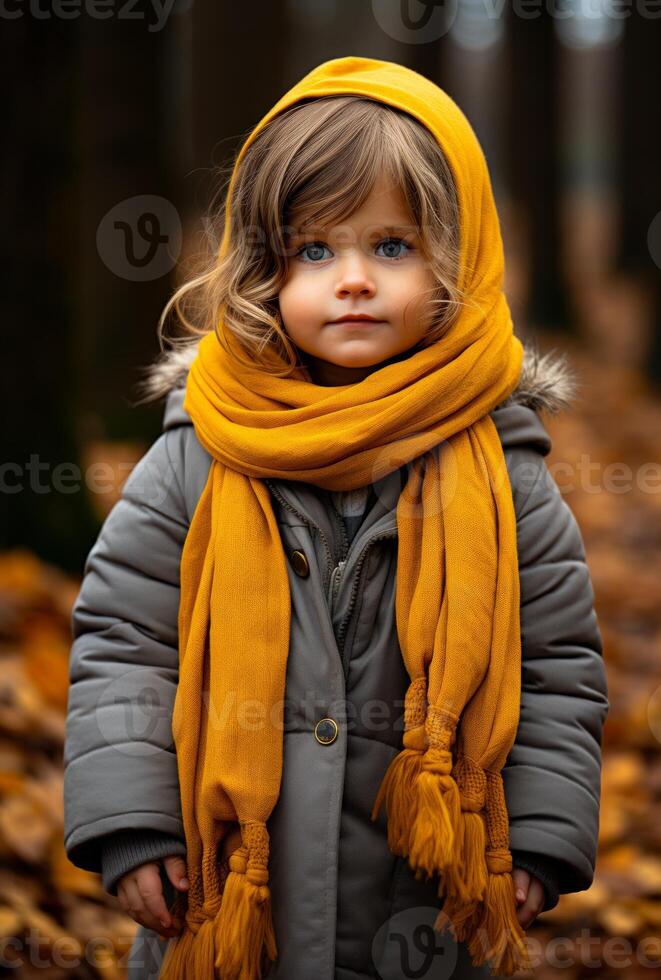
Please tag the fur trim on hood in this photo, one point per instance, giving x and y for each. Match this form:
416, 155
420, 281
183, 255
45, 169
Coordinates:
547, 382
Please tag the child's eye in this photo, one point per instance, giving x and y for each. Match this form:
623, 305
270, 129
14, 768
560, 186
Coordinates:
314, 247
313, 251
389, 242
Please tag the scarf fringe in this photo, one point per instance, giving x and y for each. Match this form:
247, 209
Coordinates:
426, 822
398, 790
436, 824
191, 954
473, 862
490, 928
237, 942
499, 936
245, 930
466, 884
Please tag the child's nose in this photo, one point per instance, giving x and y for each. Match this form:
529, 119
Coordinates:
354, 278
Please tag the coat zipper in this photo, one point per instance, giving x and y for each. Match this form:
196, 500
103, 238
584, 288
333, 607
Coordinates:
341, 634
335, 585
337, 570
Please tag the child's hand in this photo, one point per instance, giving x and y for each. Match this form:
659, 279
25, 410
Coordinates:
140, 894
529, 892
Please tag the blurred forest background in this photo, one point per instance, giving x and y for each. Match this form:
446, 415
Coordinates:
114, 127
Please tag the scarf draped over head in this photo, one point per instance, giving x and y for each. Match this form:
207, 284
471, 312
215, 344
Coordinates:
457, 597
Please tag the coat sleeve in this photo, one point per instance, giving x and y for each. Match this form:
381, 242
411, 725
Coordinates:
128, 849
120, 768
552, 775
544, 869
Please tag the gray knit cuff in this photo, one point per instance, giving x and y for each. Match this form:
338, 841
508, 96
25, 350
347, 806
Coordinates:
127, 849
545, 869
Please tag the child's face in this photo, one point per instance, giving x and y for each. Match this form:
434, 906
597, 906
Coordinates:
370, 263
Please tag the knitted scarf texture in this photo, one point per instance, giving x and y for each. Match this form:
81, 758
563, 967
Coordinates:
457, 596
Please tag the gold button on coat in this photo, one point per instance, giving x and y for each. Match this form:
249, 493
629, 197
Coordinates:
300, 563
325, 731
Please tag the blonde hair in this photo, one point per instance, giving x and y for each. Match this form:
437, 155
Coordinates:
319, 159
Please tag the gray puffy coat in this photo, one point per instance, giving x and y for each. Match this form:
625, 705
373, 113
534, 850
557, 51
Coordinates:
344, 907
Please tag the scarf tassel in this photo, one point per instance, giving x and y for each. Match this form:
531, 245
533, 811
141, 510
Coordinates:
245, 932
192, 953
444, 831
473, 860
237, 942
463, 909
424, 812
485, 919
489, 928
465, 888
438, 815
499, 936
398, 791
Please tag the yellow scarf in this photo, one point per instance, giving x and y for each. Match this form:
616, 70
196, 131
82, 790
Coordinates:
457, 601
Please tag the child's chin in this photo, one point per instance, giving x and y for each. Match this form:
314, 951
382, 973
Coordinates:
360, 358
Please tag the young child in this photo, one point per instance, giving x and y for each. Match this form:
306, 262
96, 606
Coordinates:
336, 675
